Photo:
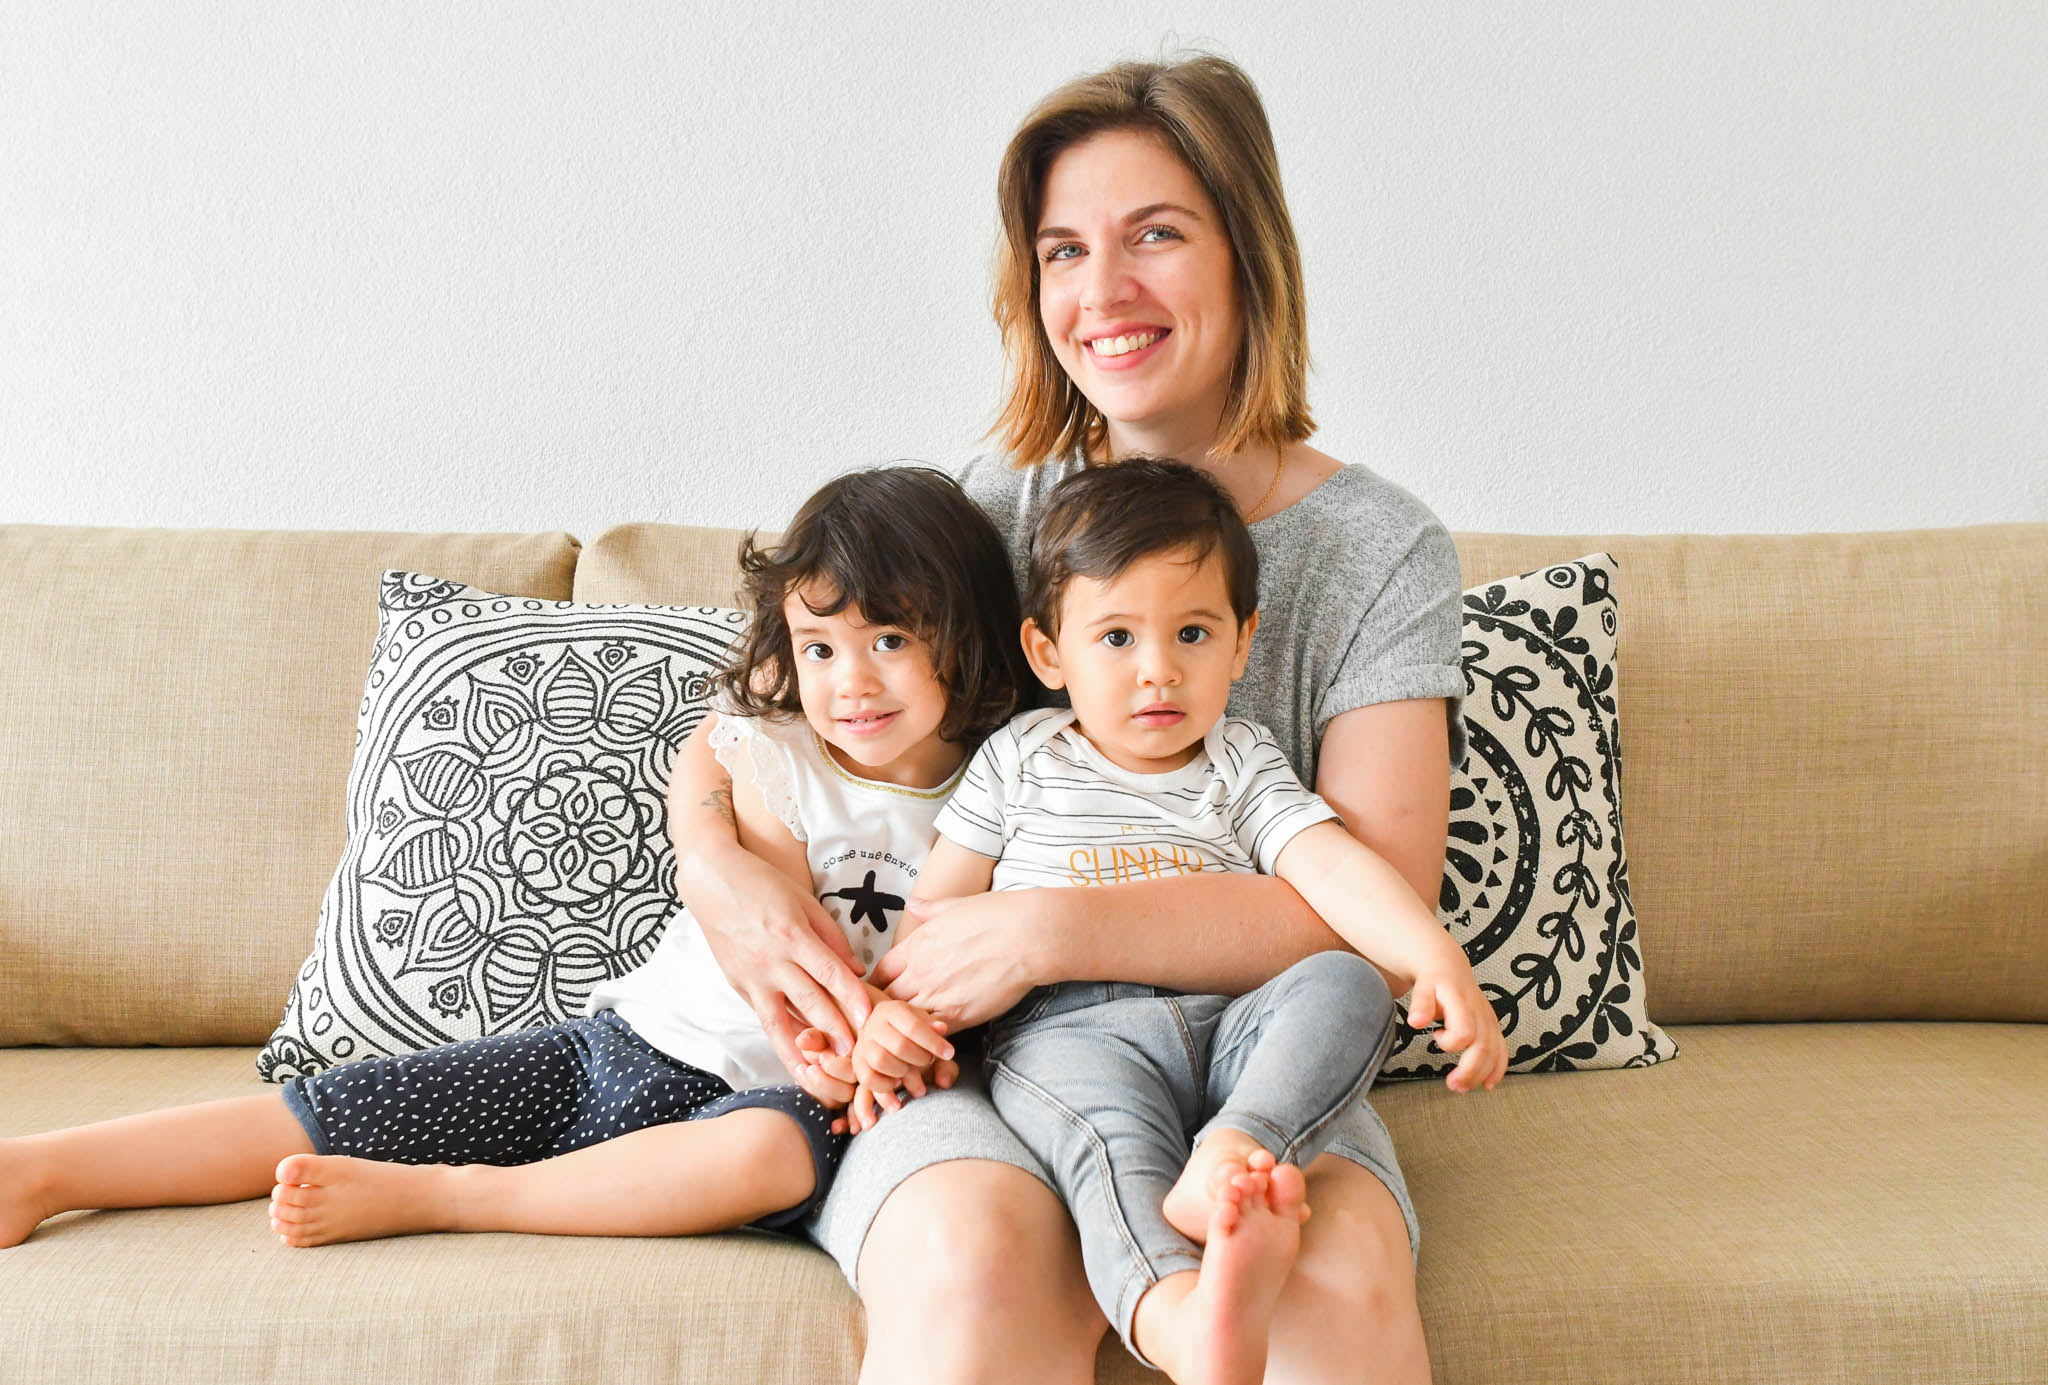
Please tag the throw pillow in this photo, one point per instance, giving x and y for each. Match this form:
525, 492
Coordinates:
507, 829
1535, 885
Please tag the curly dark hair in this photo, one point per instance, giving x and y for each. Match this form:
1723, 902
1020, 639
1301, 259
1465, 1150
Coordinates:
907, 547
1100, 520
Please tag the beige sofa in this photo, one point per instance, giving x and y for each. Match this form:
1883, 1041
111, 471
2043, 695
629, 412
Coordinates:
1836, 804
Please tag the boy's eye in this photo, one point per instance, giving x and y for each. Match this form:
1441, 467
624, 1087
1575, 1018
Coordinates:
1193, 634
816, 652
1117, 639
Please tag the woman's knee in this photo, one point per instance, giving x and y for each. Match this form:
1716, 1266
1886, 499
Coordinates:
977, 1229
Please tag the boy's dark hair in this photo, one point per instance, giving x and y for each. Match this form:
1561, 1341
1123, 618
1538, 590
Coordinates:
1102, 519
905, 545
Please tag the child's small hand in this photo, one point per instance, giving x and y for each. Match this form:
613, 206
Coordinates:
1470, 1028
898, 1046
826, 1075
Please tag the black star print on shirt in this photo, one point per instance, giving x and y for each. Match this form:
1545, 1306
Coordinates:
868, 902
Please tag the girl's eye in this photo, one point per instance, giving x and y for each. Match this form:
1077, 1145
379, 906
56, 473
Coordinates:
1193, 634
1117, 639
890, 643
816, 652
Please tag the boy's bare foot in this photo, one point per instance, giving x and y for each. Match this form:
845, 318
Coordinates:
1223, 1153
324, 1198
1219, 1330
22, 1208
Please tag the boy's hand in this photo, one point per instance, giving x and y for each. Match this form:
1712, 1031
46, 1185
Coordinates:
898, 1046
1470, 1027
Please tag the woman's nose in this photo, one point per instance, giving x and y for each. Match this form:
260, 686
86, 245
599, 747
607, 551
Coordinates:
1108, 282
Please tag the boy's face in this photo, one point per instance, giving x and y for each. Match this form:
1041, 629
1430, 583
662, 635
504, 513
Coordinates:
1147, 658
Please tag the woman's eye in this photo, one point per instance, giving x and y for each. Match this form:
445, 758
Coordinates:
1117, 639
816, 652
1060, 252
889, 644
1193, 634
1165, 233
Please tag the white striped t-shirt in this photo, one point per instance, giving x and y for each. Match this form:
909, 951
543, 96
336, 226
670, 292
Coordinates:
1051, 809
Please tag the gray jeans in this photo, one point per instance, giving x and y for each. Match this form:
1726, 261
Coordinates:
1111, 1084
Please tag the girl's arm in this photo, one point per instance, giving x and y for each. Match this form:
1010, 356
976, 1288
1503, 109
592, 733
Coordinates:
1382, 767
771, 937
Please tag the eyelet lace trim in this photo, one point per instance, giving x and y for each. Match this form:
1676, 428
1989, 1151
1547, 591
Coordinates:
767, 765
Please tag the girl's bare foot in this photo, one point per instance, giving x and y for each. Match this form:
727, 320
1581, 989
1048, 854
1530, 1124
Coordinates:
321, 1199
1223, 1153
22, 1207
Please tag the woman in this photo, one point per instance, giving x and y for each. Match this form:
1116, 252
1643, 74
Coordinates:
1149, 293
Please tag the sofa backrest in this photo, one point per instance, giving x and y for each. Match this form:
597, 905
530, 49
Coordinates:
181, 710
1835, 749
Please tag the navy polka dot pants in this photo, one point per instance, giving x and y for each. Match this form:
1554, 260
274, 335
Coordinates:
522, 1097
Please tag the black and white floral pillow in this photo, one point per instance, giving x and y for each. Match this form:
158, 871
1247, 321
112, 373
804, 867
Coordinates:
507, 832
1535, 885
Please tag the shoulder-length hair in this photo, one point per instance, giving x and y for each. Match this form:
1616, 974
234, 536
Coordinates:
907, 547
1208, 112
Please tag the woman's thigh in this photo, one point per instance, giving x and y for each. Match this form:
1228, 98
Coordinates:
1349, 1309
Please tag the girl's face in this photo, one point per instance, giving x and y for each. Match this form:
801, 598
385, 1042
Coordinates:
870, 693
1137, 287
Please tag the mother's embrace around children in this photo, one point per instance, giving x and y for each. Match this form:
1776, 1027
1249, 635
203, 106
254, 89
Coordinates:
1150, 299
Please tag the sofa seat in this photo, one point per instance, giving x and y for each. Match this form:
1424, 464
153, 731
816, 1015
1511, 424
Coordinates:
1812, 1202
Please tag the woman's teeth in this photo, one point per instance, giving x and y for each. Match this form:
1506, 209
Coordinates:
1123, 346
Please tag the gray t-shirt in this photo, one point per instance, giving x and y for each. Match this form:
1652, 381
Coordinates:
1358, 599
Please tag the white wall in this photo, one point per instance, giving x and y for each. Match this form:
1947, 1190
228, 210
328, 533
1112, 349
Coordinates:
1572, 266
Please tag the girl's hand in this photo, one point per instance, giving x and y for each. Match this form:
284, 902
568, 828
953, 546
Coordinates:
826, 1075
1470, 1027
897, 1047
967, 960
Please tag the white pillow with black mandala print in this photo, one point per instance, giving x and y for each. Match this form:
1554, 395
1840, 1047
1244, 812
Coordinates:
1535, 885
507, 831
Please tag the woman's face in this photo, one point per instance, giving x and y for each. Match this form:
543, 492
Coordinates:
1137, 286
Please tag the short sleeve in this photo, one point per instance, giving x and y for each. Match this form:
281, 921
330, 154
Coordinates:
1269, 805
1406, 646
761, 750
973, 816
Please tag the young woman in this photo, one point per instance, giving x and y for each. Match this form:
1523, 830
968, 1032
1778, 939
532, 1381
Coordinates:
1149, 294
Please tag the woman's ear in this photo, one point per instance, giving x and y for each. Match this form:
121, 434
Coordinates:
1043, 655
1244, 646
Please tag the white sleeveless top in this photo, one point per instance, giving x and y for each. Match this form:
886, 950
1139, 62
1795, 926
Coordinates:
865, 841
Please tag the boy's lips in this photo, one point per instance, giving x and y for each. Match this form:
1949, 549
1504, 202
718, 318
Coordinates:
1160, 715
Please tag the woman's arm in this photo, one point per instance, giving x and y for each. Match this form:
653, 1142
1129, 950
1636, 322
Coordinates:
771, 937
1382, 767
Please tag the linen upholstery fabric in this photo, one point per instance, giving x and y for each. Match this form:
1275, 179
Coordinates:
1535, 883
180, 710
508, 844
1837, 753
1790, 1203
691, 566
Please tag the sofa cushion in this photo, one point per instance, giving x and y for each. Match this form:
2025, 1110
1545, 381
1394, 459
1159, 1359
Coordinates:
508, 844
1837, 755
1790, 1203
180, 710
1535, 884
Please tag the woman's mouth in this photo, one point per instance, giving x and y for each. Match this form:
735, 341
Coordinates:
1127, 349
868, 723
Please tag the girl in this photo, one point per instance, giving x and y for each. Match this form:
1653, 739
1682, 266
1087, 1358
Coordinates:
882, 649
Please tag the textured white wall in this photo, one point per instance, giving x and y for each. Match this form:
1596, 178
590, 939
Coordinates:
1573, 266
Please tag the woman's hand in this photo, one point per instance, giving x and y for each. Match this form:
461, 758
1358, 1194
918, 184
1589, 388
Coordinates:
1449, 992
968, 959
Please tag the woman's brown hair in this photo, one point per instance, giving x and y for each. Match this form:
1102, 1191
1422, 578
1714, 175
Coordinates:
1208, 113
907, 547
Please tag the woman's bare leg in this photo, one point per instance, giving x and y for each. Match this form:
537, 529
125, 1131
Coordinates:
217, 1151
972, 1272
1349, 1307
684, 1179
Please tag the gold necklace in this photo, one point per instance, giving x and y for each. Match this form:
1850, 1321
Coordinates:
1279, 465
